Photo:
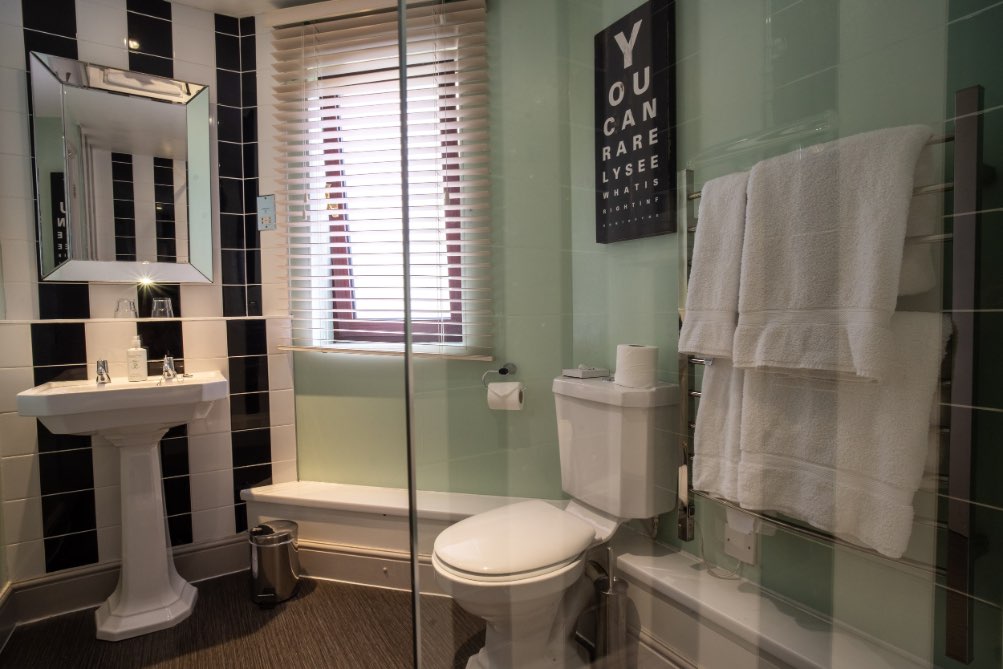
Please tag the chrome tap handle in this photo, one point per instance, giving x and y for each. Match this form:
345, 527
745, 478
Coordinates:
169, 372
103, 375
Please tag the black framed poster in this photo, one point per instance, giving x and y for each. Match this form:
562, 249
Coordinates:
635, 118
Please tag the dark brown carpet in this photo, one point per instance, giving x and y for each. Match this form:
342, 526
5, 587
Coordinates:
326, 625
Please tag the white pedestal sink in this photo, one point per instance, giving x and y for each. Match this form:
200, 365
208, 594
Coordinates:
133, 417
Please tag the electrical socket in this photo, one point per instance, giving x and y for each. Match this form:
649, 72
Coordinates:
740, 545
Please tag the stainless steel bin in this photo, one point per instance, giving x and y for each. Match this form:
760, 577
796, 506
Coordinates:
275, 565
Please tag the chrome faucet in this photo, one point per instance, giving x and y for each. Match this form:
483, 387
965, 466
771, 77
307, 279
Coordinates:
169, 372
103, 375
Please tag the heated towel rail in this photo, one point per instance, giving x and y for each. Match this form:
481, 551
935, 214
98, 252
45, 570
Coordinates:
965, 239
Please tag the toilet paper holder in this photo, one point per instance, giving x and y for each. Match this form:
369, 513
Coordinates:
504, 370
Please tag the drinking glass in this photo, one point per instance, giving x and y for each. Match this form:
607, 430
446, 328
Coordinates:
162, 308
125, 308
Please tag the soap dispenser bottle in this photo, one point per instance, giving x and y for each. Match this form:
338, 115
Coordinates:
136, 360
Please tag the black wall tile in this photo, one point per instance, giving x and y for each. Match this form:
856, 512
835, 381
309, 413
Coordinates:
58, 344
156, 367
153, 35
253, 266
252, 238
180, 529
67, 513
71, 550
64, 300
229, 124
161, 338
148, 293
227, 24
249, 89
254, 303
232, 267
234, 301
246, 337
158, 8
61, 373
121, 171
49, 442
248, 374
177, 495
251, 447
65, 471
250, 195
249, 477
163, 193
174, 457
58, 17
231, 231
177, 431
248, 57
156, 65
248, 412
240, 517
231, 196
227, 52
250, 120
247, 25
51, 44
251, 167
230, 160
228, 88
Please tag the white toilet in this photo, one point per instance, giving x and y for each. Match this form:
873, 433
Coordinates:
521, 567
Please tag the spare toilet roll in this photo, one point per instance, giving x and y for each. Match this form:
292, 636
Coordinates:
636, 365
506, 396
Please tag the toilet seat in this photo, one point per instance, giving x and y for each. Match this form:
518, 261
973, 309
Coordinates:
515, 542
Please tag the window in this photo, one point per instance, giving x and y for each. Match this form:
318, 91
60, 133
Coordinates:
339, 131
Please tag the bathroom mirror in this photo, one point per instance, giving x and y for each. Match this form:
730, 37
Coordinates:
122, 174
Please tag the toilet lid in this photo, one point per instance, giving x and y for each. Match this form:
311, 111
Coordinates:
518, 538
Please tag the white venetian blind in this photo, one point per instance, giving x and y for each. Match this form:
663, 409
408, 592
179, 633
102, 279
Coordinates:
338, 126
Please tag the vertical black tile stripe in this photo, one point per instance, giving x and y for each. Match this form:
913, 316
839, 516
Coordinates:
124, 206
163, 188
71, 550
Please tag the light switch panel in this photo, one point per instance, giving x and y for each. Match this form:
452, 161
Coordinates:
266, 212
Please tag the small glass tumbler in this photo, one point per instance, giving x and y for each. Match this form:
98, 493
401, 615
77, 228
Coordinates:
162, 308
125, 308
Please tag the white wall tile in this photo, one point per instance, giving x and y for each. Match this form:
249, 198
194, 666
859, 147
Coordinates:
213, 524
108, 506
284, 472
194, 44
197, 73
108, 340
280, 371
11, 46
211, 490
105, 459
14, 133
283, 442
12, 381
21, 299
110, 543
281, 407
184, 15
274, 296
18, 258
17, 220
10, 12
102, 24
15, 174
104, 297
20, 477
218, 419
278, 331
209, 452
103, 54
22, 520
202, 300
203, 339
15, 345
18, 435
207, 364
25, 560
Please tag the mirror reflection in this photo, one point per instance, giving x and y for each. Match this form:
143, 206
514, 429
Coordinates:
122, 181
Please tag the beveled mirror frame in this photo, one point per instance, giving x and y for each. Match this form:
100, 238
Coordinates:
69, 73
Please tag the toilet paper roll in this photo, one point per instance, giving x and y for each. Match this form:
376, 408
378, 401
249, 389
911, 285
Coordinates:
506, 396
636, 365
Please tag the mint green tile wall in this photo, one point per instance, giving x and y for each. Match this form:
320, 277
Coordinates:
347, 435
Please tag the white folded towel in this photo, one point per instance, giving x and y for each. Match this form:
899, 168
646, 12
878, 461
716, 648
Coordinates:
845, 457
918, 274
825, 232
716, 441
712, 292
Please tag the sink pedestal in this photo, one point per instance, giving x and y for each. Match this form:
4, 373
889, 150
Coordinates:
150, 595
